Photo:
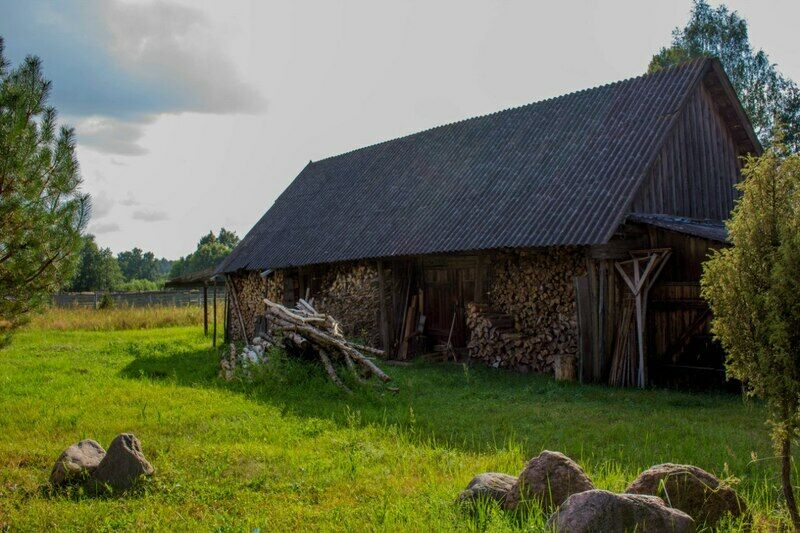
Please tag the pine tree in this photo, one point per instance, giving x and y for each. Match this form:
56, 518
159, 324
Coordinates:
42, 211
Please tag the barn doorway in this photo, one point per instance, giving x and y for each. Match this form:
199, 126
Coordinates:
448, 287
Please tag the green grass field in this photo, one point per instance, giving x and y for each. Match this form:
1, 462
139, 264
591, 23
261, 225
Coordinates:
292, 452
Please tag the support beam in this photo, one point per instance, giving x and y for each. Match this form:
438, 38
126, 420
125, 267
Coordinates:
214, 341
640, 273
205, 309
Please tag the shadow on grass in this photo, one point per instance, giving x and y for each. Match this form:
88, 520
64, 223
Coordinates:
472, 407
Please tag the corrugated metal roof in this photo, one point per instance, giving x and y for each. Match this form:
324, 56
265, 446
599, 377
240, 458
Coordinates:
713, 230
558, 172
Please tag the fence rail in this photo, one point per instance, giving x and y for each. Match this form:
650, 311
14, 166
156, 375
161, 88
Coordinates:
177, 298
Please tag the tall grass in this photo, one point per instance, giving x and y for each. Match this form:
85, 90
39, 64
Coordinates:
287, 450
122, 318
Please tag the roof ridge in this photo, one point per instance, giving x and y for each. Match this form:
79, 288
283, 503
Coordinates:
686, 64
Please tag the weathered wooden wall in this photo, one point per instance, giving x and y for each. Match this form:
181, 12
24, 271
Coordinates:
171, 298
676, 316
679, 338
695, 172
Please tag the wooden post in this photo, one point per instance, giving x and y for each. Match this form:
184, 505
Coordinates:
205, 309
214, 342
382, 303
225, 318
600, 353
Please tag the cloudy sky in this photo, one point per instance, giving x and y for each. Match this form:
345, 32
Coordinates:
193, 115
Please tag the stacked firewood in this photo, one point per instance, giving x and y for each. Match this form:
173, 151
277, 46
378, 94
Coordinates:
249, 293
351, 294
531, 319
304, 330
275, 285
492, 335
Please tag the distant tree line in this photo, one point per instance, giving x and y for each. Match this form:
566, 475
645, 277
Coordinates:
211, 249
136, 270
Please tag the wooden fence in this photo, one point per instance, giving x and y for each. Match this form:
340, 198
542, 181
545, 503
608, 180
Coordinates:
174, 298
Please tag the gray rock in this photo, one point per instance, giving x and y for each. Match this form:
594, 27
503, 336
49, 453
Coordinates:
123, 466
490, 485
598, 511
691, 489
548, 479
77, 462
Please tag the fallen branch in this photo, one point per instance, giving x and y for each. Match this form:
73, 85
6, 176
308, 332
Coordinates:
304, 326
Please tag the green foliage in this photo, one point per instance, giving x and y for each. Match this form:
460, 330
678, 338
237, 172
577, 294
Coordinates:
141, 285
211, 250
768, 97
139, 265
98, 269
753, 289
42, 211
106, 302
273, 455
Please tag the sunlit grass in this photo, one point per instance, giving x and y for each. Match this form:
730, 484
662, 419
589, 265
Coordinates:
289, 451
121, 318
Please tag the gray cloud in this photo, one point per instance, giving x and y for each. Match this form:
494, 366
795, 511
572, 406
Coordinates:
103, 227
101, 205
129, 200
111, 135
117, 65
150, 215
173, 45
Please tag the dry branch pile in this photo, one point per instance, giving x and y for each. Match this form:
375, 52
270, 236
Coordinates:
531, 319
305, 330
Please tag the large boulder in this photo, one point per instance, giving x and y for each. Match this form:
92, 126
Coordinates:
490, 485
77, 462
597, 511
123, 466
690, 489
548, 479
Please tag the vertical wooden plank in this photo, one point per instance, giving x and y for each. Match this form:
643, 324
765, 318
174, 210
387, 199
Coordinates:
214, 342
392, 319
382, 304
600, 351
584, 309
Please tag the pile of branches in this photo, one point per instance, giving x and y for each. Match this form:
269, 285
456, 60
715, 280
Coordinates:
305, 330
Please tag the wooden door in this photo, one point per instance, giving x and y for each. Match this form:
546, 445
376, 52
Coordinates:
446, 290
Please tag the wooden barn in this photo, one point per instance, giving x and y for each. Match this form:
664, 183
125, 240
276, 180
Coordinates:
562, 236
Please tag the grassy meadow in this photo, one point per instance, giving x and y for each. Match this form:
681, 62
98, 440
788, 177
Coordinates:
289, 451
